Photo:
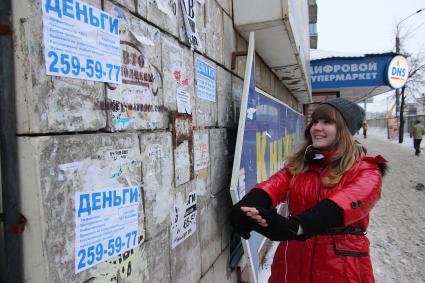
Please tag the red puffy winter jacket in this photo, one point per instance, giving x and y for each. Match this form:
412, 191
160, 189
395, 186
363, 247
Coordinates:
327, 258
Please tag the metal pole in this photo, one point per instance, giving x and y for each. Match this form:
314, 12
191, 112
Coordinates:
397, 50
397, 91
11, 254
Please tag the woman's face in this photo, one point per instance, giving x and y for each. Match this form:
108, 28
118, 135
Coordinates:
323, 133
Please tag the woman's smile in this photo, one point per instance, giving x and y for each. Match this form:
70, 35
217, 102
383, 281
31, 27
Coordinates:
323, 134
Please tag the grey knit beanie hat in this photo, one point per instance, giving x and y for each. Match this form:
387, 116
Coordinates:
352, 113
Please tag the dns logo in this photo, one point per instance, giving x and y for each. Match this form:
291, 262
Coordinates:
398, 71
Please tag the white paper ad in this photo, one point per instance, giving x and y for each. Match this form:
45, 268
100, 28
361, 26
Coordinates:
183, 101
206, 77
106, 225
182, 163
189, 16
81, 41
201, 153
184, 220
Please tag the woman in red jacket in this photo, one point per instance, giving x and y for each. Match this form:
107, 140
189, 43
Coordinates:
330, 186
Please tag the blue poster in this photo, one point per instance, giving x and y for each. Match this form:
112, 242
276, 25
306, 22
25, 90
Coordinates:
106, 225
269, 131
81, 41
272, 132
205, 80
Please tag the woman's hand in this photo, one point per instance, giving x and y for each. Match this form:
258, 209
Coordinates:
270, 224
255, 215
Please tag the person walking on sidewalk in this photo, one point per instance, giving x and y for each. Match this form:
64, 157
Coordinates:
365, 127
416, 132
329, 186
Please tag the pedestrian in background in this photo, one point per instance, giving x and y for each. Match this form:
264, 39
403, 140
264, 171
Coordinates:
416, 132
365, 128
329, 186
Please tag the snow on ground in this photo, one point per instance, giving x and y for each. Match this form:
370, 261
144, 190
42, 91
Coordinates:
397, 227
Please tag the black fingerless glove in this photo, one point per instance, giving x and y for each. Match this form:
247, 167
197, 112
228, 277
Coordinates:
316, 220
321, 218
241, 223
279, 228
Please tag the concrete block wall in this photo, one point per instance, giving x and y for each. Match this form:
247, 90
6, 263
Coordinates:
48, 104
53, 169
67, 127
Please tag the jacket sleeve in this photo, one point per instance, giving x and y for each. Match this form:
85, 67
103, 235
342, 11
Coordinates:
276, 186
359, 196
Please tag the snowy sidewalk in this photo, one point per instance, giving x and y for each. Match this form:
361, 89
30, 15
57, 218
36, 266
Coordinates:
397, 228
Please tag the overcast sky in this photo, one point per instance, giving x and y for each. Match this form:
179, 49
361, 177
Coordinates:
368, 26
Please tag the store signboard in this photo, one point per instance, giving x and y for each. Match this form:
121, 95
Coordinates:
331, 73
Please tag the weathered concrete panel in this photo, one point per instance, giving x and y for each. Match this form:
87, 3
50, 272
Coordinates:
128, 4
214, 31
206, 111
221, 273
52, 169
224, 204
220, 167
177, 71
209, 233
201, 152
273, 85
138, 102
164, 13
280, 92
158, 176
208, 277
226, 5
266, 77
142, 8
237, 89
226, 114
185, 263
229, 40
156, 259
48, 103
241, 45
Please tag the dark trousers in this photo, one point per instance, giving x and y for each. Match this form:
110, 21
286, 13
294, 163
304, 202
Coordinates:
417, 146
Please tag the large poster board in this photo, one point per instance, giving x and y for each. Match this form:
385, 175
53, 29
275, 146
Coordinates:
268, 132
392, 128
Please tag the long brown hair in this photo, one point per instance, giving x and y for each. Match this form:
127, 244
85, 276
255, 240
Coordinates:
346, 152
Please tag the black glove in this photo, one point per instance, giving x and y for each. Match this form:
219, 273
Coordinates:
241, 223
279, 228
320, 218
316, 220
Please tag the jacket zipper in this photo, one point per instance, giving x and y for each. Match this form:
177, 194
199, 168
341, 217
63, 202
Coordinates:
314, 239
